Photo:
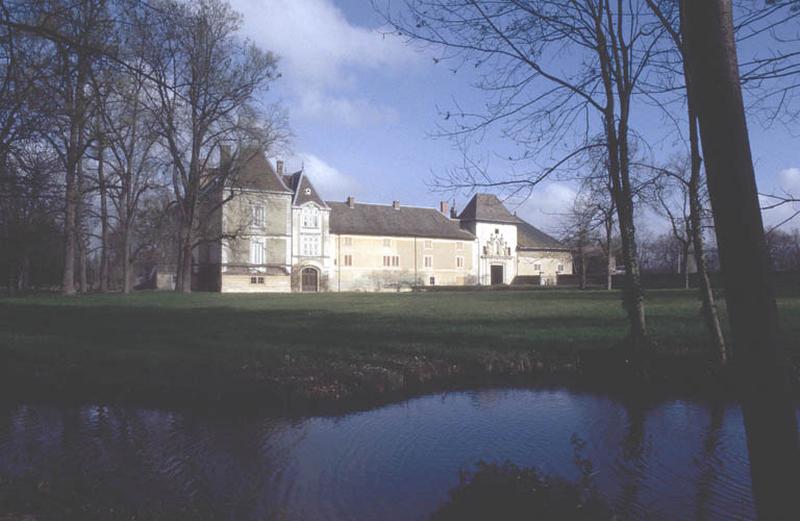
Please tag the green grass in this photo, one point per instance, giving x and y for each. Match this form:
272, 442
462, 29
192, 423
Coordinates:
162, 344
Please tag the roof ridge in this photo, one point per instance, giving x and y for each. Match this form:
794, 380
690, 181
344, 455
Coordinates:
389, 205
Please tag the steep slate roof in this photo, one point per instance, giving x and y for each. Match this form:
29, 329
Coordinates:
530, 237
299, 183
487, 207
255, 173
407, 221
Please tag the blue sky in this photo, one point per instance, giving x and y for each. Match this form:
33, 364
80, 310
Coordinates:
363, 105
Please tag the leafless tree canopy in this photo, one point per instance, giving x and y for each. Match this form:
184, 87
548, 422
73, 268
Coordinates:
120, 101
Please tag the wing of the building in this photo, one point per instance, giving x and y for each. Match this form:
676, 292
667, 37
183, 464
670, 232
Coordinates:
275, 232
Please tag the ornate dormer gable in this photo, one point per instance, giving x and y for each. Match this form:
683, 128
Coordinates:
304, 192
496, 245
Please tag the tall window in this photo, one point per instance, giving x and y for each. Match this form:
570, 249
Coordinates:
560, 268
537, 267
428, 244
259, 215
459, 262
310, 217
391, 260
427, 261
258, 251
348, 260
310, 245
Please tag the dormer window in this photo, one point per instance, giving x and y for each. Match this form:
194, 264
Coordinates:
311, 217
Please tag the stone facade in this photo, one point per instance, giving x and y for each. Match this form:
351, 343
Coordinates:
276, 234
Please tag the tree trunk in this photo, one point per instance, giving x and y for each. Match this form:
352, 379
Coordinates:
685, 264
609, 254
709, 304
126, 259
583, 267
101, 180
80, 236
183, 282
758, 358
68, 277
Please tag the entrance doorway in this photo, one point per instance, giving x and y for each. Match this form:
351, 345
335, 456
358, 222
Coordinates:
309, 280
497, 275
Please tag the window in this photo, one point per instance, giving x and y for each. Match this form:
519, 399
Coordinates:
560, 268
387, 243
311, 217
432, 281
428, 244
391, 260
348, 241
259, 215
537, 267
395, 261
258, 251
459, 245
256, 280
459, 262
348, 260
310, 245
427, 261
497, 231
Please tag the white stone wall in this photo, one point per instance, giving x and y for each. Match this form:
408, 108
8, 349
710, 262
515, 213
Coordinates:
322, 262
489, 236
544, 263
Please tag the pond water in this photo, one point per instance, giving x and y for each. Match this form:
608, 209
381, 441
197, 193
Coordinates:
666, 460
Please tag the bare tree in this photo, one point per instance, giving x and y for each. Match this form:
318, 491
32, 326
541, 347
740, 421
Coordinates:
73, 32
784, 249
758, 357
206, 79
543, 103
127, 148
672, 16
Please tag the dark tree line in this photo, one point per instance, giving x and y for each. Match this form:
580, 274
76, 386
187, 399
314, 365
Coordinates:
113, 114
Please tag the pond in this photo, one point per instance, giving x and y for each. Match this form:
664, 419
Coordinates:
664, 460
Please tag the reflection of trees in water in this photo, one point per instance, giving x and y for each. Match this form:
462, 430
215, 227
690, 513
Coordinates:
109, 463
632, 467
708, 462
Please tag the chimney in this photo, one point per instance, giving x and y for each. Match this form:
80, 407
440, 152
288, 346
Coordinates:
279, 166
351, 201
444, 207
396, 205
453, 213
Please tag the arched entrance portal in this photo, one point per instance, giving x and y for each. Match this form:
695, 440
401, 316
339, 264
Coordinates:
309, 280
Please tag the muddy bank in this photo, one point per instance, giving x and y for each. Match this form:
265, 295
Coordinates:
298, 385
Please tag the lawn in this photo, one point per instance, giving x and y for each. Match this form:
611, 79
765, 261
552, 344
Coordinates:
159, 346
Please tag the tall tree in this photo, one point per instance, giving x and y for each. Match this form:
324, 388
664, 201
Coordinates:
543, 102
76, 33
758, 357
128, 153
205, 82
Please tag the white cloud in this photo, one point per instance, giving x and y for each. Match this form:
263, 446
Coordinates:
547, 205
321, 52
329, 181
789, 180
788, 184
350, 112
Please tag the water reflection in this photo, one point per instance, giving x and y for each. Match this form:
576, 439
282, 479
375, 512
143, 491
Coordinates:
668, 460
